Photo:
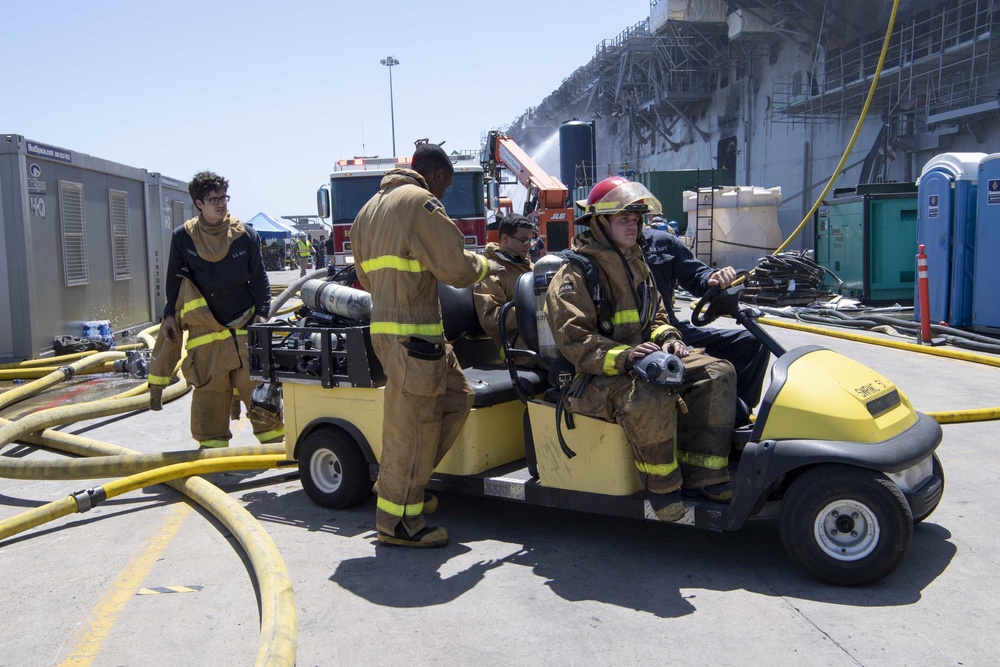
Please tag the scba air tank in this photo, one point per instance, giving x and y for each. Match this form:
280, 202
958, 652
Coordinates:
544, 270
335, 299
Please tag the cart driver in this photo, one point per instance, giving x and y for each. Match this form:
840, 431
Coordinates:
698, 414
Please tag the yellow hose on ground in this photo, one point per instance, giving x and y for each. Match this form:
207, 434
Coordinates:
965, 416
278, 631
134, 391
68, 414
37, 516
911, 347
278, 634
48, 361
148, 336
42, 371
946, 417
56, 509
118, 466
54, 377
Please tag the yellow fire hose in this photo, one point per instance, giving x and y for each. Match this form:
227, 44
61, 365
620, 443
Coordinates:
148, 336
279, 633
278, 636
55, 376
850, 144
941, 417
944, 417
42, 371
85, 500
123, 464
48, 361
69, 414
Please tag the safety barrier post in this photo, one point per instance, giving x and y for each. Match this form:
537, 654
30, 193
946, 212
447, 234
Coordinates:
925, 304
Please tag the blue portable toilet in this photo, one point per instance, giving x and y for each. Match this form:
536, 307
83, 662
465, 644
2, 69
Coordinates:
985, 305
946, 224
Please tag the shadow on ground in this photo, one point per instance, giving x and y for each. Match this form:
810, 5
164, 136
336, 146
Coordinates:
648, 567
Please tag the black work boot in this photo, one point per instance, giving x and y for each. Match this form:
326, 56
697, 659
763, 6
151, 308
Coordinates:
667, 506
430, 503
719, 493
427, 538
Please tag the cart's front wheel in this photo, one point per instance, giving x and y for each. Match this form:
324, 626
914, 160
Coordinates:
333, 471
846, 525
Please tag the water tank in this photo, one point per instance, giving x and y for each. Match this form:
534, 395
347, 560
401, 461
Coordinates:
733, 225
576, 153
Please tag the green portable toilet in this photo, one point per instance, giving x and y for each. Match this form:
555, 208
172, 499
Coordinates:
868, 237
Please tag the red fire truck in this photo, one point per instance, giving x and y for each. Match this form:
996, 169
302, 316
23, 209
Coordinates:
354, 181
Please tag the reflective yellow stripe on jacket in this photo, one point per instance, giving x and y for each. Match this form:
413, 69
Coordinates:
625, 317
661, 331
157, 379
205, 339
192, 305
404, 329
611, 357
392, 262
485, 268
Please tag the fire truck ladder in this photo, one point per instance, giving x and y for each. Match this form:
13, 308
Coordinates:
704, 220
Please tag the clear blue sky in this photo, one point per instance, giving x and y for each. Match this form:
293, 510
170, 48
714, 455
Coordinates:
271, 94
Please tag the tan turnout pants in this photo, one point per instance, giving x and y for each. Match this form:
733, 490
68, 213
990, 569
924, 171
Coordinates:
427, 401
650, 414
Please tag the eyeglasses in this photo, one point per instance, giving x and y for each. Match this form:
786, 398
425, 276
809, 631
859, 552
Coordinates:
522, 240
215, 201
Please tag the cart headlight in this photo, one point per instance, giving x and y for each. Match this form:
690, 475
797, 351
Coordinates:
913, 478
883, 403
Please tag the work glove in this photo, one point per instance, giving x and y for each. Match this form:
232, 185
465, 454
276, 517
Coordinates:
156, 397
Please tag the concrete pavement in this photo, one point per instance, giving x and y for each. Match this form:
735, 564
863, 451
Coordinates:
518, 585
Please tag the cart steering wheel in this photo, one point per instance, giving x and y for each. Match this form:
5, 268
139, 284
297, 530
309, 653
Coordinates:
707, 309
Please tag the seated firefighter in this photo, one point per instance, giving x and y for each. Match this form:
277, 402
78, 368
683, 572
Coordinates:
604, 339
492, 293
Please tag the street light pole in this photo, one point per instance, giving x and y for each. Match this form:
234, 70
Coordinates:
390, 62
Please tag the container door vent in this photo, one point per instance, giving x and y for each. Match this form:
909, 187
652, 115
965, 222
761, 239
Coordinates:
176, 213
121, 260
74, 234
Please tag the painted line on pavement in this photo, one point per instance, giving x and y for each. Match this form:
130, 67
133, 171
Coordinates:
103, 618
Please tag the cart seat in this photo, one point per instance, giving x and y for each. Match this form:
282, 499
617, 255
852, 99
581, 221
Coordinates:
475, 350
493, 385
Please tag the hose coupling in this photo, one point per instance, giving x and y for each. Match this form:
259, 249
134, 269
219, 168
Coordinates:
88, 498
68, 371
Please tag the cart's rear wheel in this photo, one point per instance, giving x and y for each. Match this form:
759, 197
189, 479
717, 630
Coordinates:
333, 471
846, 525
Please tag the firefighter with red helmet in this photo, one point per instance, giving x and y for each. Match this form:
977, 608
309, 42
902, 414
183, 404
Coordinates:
632, 323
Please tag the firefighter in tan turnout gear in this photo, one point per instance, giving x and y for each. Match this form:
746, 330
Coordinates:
515, 233
215, 286
404, 243
632, 323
